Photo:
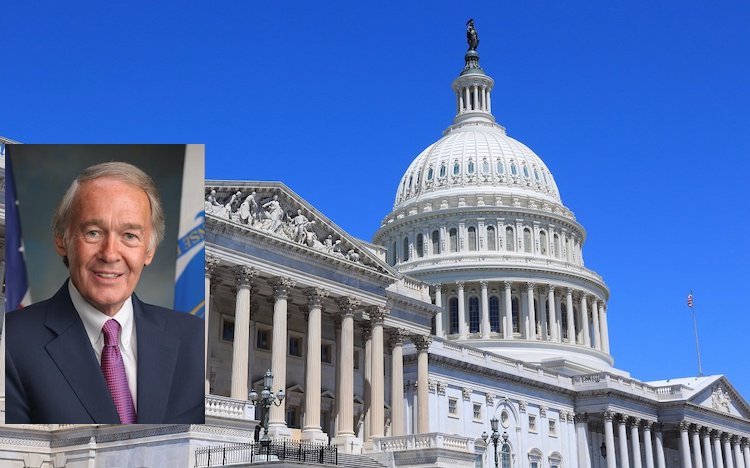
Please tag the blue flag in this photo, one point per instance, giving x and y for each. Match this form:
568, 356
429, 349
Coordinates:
17, 292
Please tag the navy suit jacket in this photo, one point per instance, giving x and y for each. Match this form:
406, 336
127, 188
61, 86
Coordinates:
52, 374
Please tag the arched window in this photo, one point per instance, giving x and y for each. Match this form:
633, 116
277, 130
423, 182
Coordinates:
576, 325
420, 245
527, 240
536, 175
525, 171
509, 241
515, 316
405, 255
491, 241
472, 239
500, 167
453, 234
485, 167
494, 314
546, 318
470, 167
429, 173
513, 169
537, 319
505, 456
453, 315
557, 246
564, 320
473, 315
442, 170
456, 168
394, 254
543, 242
435, 242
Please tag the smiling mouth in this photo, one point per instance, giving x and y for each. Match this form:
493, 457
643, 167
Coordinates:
108, 275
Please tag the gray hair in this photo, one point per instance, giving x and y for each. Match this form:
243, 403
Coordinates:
123, 172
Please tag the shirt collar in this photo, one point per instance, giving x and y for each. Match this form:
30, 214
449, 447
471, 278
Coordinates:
93, 319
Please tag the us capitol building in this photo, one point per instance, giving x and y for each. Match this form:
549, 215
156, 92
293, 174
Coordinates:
472, 303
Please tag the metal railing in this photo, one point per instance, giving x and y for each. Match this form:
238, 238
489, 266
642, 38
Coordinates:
255, 452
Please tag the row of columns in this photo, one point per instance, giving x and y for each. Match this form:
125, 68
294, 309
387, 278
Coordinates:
653, 444
374, 343
477, 95
702, 447
591, 332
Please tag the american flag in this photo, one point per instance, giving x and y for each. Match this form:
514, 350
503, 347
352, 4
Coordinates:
690, 300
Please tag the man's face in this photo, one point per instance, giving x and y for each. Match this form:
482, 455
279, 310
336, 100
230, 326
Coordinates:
108, 241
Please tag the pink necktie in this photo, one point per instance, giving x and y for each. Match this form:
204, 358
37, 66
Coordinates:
114, 372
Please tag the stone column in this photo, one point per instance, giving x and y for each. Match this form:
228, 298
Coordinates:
508, 322
584, 314
635, 442
647, 444
485, 311
706, 439
337, 372
684, 446
659, 448
544, 326
622, 434
552, 313
311, 431
746, 452
531, 313
345, 438
595, 315
439, 316
605, 328
739, 461
211, 264
241, 343
569, 315
462, 332
728, 462
716, 437
582, 435
398, 419
377, 379
422, 343
367, 377
281, 288
696, 446
609, 439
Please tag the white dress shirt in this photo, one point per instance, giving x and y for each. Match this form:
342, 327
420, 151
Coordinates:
93, 321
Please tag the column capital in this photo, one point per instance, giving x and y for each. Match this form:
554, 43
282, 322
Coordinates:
460, 285
377, 314
647, 424
438, 287
347, 304
483, 284
422, 342
551, 288
315, 296
622, 418
508, 284
696, 428
569, 291
211, 264
635, 421
684, 426
745, 443
581, 417
530, 286
726, 437
736, 439
608, 415
244, 275
716, 435
396, 336
281, 286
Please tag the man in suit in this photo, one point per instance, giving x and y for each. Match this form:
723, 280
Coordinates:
94, 353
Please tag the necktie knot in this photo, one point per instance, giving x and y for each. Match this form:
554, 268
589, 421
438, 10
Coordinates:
111, 330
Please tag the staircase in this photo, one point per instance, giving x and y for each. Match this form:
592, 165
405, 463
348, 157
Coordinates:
358, 461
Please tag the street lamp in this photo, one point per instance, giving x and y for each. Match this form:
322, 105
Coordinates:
495, 436
267, 398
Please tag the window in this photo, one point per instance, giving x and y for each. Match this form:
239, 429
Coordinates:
452, 407
453, 315
505, 419
405, 255
473, 315
552, 427
470, 167
494, 314
514, 314
227, 330
411, 178
472, 239
442, 170
326, 353
263, 339
513, 169
532, 423
356, 359
536, 175
564, 320
525, 172
477, 412
453, 234
527, 240
556, 244
295, 346
420, 245
292, 417
485, 167
505, 456
500, 167
491, 241
393, 254
429, 173
543, 242
456, 168
435, 242
509, 241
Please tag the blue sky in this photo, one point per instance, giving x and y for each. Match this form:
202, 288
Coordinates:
639, 109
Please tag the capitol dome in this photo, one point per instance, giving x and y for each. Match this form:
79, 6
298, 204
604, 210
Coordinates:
478, 216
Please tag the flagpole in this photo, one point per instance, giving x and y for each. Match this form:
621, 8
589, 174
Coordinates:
695, 328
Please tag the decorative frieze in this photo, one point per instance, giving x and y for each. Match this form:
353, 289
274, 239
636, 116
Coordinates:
466, 393
441, 387
522, 406
490, 399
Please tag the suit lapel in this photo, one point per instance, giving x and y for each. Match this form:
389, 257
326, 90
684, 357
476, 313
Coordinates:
72, 353
157, 358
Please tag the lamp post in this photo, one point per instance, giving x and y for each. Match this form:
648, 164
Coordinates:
495, 436
267, 398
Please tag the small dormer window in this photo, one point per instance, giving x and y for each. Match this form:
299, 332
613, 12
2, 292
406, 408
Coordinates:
456, 168
525, 171
442, 170
410, 180
485, 167
429, 173
536, 175
500, 167
513, 169
470, 167
544, 174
